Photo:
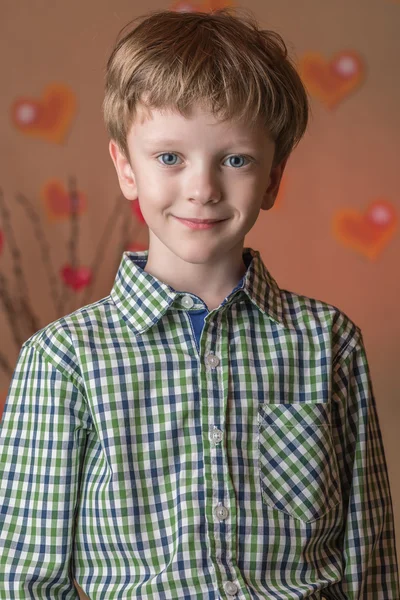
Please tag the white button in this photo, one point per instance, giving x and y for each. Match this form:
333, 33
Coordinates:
212, 360
187, 301
230, 588
216, 435
221, 512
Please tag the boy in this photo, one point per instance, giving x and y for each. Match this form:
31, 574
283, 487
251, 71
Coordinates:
200, 432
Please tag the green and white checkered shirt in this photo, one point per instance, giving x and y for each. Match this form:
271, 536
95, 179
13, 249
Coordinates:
153, 449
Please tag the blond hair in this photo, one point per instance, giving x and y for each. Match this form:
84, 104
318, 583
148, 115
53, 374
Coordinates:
233, 68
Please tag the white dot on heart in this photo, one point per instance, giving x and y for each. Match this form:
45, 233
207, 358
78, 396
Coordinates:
184, 7
380, 215
26, 113
346, 66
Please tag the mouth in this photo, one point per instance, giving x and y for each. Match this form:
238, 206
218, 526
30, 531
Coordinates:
200, 223
200, 220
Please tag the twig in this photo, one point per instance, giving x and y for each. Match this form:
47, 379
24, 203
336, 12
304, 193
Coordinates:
17, 267
101, 246
11, 312
73, 241
45, 251
5, 365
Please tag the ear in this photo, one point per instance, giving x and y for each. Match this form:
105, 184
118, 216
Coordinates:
125, 174
275, 177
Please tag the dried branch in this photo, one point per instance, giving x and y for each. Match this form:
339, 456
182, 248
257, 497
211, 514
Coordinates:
101, 246
73, 241
27, 313
5, 365
10, 310
45, 251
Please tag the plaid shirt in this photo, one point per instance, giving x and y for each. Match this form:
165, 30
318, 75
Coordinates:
153, 449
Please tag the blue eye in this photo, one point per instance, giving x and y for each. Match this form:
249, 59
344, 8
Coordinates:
236, 156
167, 154
171, 154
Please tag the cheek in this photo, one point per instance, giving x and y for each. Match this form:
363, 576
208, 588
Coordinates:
251, 213
154, 183
152, 202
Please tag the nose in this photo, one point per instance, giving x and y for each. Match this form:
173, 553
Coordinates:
203, 185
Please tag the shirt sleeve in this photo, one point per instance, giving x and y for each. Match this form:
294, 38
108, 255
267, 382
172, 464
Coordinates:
369, 544
42, 442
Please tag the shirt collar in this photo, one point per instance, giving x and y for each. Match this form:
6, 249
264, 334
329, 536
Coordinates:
143, 299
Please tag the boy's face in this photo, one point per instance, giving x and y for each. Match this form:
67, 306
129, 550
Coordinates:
197, 168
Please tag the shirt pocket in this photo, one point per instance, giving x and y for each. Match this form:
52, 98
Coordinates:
298, 467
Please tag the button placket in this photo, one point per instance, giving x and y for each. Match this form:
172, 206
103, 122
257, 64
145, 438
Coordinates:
220, 511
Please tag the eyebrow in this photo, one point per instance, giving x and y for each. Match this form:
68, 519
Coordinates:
161, 142
171, 142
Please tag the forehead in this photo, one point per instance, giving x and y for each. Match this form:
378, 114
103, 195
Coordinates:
168, 124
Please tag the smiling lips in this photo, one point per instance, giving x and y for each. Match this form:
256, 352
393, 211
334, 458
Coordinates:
200, 220
199, 224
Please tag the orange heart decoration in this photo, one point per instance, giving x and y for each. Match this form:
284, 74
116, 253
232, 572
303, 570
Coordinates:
58, 203
332, 81
48, 118
367, 233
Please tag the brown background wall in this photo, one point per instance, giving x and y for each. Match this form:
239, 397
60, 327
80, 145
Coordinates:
332, 235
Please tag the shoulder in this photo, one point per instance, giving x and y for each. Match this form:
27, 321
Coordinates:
323, 320
57, 342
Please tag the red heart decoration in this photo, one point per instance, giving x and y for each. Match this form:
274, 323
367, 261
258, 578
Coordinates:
76, 279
